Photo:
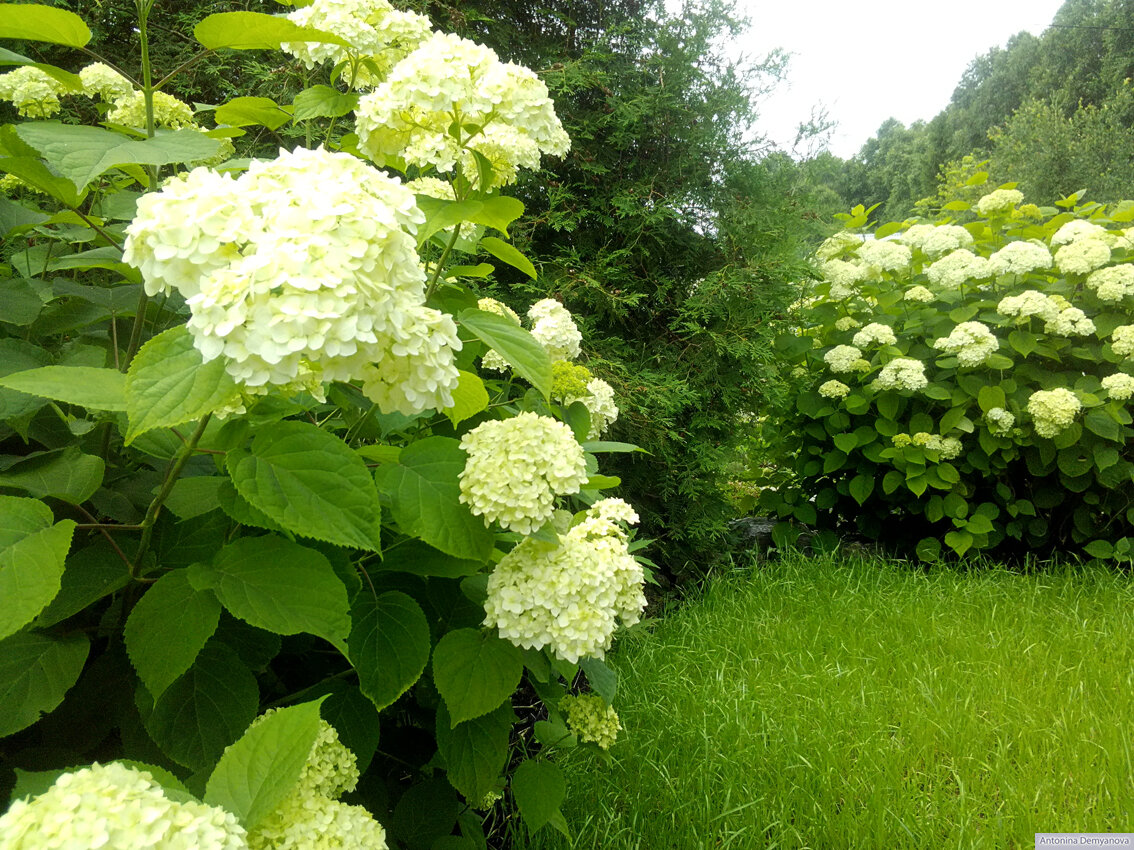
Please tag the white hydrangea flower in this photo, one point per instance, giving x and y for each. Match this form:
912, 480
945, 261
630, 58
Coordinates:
838, 244
115, 806
885, 255
1112, 284
948, 447
844, 277
1020, 258
1122, 340
847, 323
919, 294
1119, 385
103, 81
374, 29
569, 596
600, 404
1082, 256
589, 717
450, 80
1076, 230
999, 201
902, 373
614, 509
304, 270
130, 111
873, 333
554, 328
1053, 411
1000, 421
516, 467
972, 342
958, 267
842, 358
1028, 304
935, 240
1070, 321
33, 93
833, 389
331, 769
492, 360
306, 821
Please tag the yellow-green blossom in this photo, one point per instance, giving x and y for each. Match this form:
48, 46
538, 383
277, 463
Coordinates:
130, 111
34, 93
833, 389
902, 373
1112, 284
955, 269
919, 294
842, 358
1082, 256
999, 420
1020, 258
1119, 385
589, 717
999, 201
972, 342
1122, 340
873, 333
554, 328
935, 240
1052, 411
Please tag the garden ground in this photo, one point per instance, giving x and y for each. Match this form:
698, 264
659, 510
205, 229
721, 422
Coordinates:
856, 702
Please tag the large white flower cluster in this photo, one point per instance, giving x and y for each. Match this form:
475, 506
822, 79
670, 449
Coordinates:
972, 342
1122, 340
568, 596
553, 326
115, 806
844, 277
847, 323
1119, 385
1077, 230
957, 268
572, 383
842, 358
902, 373
885, 255
491, 359
600, 403
999, 201
838, 244
1053, 411
1068, 321
377, 33
448, 82
130, 111
589, 717
1082, 256
919, 294
301, 272
873, 333
1112, 284
935, 240
516, 467
1020, 258
1027, 304
33, 93
1000, 421
103, 81
833, 389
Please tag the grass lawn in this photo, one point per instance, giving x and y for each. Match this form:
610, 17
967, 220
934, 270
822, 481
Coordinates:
856, 703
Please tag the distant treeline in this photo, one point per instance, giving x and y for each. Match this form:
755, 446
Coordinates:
1053, 113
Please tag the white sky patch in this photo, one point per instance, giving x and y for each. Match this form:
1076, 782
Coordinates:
865, 62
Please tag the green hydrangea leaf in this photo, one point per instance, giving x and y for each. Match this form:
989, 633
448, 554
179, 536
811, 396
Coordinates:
36, 671
168, 627
311, 483
522, 350
388, 645
96, 389
65, 474
476, 751
31, 568
260, 769
469, 398
539, 788
256, 31
33, 22
475, 671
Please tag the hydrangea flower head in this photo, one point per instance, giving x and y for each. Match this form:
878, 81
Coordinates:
1000, 421
902, 373
1112, 284
999, 201
103, 81
840, 243
113, 806
844, 277
1028, 304
919, 294
885, 254
303, 270
1070, 321
1077, 230
1122, 340
972, 342
873, 333
589, 717
305, 821
842, 358
833, 389
516, 467
450, 81
847, 323
375, 30
1052, 411
1082, 256
935, 240
554, 328
1119, 385
568, 596
957, 268
130, 111
1020, 258
331, 769
33, 93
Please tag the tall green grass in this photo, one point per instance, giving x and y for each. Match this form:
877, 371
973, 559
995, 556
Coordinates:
858, 703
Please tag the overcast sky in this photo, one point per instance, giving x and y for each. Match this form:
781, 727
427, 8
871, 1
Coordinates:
871, 60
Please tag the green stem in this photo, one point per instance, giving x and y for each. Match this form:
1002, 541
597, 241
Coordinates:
188, 63
154, 510
441, 262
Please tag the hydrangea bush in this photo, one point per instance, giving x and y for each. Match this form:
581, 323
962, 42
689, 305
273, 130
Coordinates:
267, 441
966, 387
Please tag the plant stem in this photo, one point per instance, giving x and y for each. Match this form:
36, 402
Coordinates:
441, 262
179, 461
